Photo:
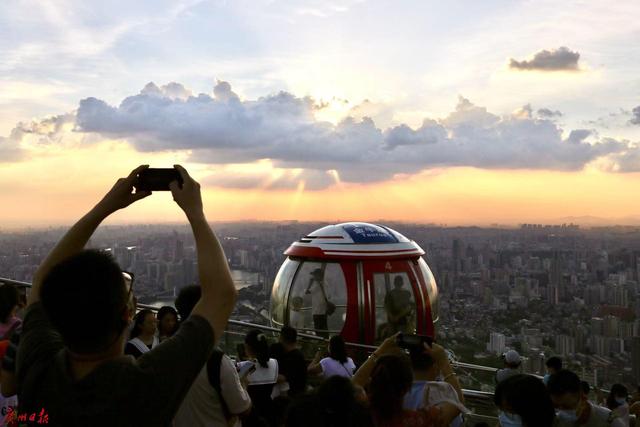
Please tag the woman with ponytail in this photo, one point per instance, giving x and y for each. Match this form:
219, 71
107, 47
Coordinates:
262, 378
337, 363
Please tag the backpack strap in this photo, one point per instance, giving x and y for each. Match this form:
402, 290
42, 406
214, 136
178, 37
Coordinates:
213, 373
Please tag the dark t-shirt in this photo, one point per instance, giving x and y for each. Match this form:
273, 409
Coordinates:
119, 392
293, 366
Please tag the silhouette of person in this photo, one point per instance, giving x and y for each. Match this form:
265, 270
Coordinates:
319, 302
399, 307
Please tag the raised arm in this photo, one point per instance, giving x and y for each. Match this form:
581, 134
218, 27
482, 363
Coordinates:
218, 291
442, 359
120, 196
362, 376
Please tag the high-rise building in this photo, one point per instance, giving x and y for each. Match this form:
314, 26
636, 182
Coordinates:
611, 327
553, 294
597, 326
565, 345
599, 345
635, 358
455, 257
496, 343
178, 253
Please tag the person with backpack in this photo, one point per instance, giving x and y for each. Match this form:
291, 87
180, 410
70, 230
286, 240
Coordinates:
216, 397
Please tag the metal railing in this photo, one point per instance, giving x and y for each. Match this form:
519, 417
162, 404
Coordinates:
476, 399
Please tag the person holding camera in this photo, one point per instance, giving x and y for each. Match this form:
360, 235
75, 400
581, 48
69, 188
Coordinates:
72, 372
429, 381
387, 376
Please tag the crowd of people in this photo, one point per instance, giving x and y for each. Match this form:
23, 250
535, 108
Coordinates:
79, 353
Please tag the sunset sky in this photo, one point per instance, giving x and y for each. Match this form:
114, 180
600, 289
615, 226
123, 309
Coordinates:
452, 112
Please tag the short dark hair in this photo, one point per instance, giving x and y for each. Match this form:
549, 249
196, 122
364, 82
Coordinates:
586, 388
527, 397
88, 285
337, 349
187, 298
554, 363
289, 335
617, 390
391, 378
564, 381
259, 345
164, 310
420, 360
8, 300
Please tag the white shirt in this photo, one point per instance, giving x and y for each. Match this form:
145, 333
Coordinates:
201, 406
331, 367
439, 392
262, 375
318, 299
599, 418
6, 405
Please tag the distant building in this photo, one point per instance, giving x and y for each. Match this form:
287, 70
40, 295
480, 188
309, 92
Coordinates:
496, 343
635, 358
565, 345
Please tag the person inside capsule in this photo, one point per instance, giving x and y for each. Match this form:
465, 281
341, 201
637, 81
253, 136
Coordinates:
319, 302
399, 308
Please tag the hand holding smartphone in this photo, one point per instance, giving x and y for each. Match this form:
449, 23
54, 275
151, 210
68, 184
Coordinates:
245, 368
409, 341
157, 179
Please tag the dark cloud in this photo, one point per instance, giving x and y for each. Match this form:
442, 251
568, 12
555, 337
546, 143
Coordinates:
222, 129
547, 113
46, 131
561, 59
635, 120
49, 129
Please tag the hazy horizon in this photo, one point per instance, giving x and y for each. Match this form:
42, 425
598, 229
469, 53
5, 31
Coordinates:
583, 223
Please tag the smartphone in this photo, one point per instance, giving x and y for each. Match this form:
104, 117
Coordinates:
245, 368
413, 341
157, 179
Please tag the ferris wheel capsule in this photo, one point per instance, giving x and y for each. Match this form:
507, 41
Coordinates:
363, 281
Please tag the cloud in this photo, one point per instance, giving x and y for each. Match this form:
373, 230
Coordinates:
220, 129
635, 120
561, 59
547, 113
50, 129
284, 179
171, 90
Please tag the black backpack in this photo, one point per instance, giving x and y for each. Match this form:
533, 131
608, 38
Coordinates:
213, 373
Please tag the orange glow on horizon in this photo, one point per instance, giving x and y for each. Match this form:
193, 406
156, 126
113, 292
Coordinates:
56, 188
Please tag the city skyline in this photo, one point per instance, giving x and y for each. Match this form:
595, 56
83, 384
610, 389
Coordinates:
459, 113
543, 291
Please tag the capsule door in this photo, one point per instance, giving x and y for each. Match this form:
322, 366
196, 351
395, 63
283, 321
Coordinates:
393, 300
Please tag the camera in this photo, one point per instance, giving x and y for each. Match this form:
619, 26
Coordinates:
409, 341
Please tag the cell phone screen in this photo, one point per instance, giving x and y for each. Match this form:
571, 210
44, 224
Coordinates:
157, 179
245, 368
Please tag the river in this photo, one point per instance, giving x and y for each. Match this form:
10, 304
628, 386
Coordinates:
241, 278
